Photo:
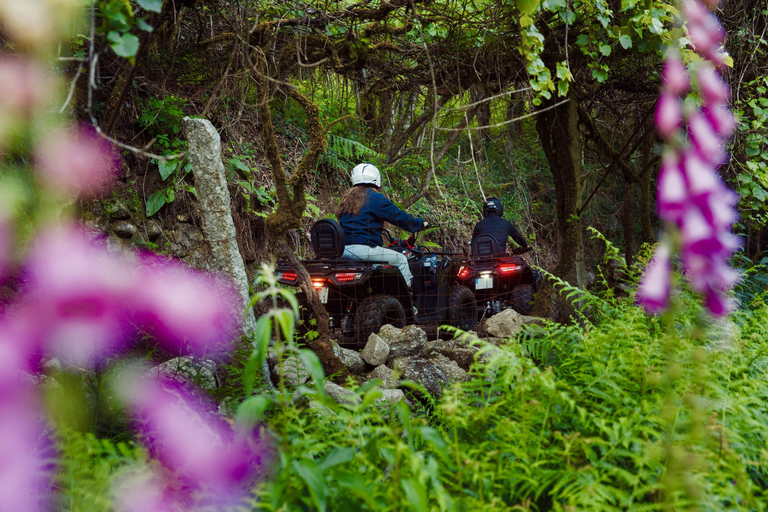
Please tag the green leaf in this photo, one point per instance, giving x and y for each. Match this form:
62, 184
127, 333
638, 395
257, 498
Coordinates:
417, 494
261, 338
252, 410
151, 5
166, 168
155, 201
600, 75
238, 164
338, 456
625, 41
309, 471
527, 6
605, 49
312, 364
583, 40
143, 25
759, 193
125, 46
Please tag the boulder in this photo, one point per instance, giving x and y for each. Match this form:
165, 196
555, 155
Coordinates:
508, 323
152, 229
124, 229
426, 373
376, 350
408, 341
351, 359
118, 211
462, 354
391, 396
198, 372
450, 368
342, 395
386, 374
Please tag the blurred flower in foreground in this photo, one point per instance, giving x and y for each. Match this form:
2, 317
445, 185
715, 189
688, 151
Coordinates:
5, 242
24, 87
691, 195
203, 454
76, 161
34, 24
25, 446
85, 303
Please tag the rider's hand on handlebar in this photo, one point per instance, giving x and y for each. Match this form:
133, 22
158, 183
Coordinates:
424, 225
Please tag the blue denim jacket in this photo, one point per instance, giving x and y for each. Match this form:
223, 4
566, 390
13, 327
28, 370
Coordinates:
365, 227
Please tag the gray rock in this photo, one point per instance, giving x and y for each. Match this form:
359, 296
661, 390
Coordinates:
152, 230
386, 374
508, 323
426, 373
376, 350
351, 359
342, 395
118, 211
450, 368
294, 371
408, 341
455, 350
124, 229
391, 396
198, 372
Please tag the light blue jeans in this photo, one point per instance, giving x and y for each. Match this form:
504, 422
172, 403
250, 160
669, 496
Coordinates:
366, 253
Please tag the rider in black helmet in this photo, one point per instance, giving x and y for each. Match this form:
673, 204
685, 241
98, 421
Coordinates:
496, 226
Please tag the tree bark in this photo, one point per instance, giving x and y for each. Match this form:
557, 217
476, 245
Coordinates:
561, 141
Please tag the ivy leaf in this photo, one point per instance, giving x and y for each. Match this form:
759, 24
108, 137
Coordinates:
155, 201
167, 168
625, 41
759, 193
583, 40
143, 25
600, 75
151, 5
605, 49
527, 6
125, 46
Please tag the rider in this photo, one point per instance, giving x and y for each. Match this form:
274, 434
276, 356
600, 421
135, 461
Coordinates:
495, 225
362, 213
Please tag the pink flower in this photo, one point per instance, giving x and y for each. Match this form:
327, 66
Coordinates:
653, 290
144, 491
24, 87
676, 80
199, 449
6, 243
671, 188
721, 119
79, 293
669, 115
705, 139
713, 88
187, 310
76, 161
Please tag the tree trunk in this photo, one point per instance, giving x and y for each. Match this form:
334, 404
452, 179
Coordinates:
561, 141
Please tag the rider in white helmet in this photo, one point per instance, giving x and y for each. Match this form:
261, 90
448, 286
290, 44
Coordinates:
362, 212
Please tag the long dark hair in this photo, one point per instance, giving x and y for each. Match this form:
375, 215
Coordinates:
353, 200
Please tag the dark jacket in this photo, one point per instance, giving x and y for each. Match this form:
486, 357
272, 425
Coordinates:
499, 228
365, 227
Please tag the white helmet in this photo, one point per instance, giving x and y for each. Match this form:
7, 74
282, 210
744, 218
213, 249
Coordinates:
364, 174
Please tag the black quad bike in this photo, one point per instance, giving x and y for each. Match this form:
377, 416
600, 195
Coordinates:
499, 281
362, 296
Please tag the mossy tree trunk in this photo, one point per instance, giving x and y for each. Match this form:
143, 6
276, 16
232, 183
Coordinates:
562, 144
292, 201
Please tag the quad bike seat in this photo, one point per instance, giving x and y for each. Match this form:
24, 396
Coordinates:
484, 246
328, 239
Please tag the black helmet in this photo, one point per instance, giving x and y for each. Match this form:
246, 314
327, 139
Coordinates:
493, 205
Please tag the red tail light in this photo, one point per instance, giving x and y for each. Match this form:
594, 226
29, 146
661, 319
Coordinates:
463, 272
318, 283
288, 276
344, 277
508, 269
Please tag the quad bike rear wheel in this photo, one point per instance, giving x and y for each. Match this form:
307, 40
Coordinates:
376, 312
520, 298
463, 308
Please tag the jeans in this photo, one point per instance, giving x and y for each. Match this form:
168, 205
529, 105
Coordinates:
364, 252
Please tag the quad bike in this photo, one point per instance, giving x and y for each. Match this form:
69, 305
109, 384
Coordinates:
362, 296
499, 281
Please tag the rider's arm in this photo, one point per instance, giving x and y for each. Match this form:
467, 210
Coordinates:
394, 215
516, 236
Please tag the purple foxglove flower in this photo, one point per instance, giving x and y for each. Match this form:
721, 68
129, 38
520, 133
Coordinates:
721, 119
653, 290
676, 80
669, 115
24, 87
704, 138
187, 309
699, 17
713, 89
198, 448
6, 239
76, 161
79, 293
25, 446
671, 188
